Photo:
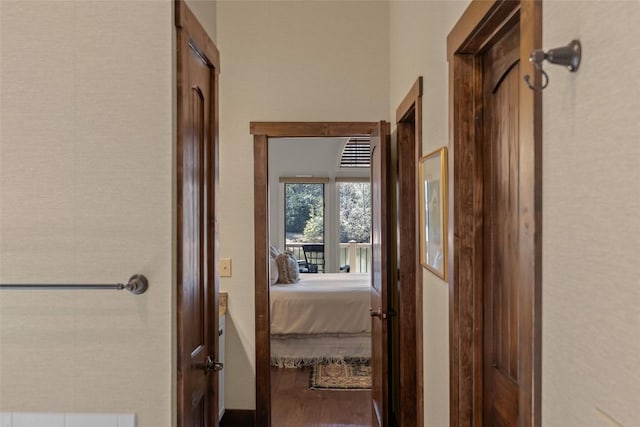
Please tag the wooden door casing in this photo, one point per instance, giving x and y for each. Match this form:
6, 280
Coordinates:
261, 132
501, 87
381, 259
197, 180
407, 323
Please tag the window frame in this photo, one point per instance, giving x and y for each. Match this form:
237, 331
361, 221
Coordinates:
283, 180
339, 180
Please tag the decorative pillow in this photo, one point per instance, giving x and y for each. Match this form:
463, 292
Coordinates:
273, 271
274, 251
294, 268
282, 262
288, 271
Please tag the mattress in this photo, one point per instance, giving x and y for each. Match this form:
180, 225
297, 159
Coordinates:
331, 303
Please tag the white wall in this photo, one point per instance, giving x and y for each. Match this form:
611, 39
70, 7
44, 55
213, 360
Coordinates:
284, 61
206, 12
591, 226
86, 166
318, 157
418, 32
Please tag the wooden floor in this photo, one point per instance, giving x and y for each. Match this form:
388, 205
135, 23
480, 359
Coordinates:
294, 405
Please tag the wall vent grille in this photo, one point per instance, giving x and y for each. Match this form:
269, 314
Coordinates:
356, 153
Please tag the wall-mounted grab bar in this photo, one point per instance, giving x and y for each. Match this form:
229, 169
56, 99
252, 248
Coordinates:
138, 284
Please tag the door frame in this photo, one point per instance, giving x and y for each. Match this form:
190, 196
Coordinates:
409, 149
191, 34
481, 23
261, 132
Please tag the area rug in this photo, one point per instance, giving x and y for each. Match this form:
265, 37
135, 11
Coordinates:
344, 375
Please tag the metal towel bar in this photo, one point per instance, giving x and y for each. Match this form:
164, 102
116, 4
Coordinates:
138, 284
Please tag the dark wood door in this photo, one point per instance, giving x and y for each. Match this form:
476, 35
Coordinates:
380, 147
500, 265
197, 235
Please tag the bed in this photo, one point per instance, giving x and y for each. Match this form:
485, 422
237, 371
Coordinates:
321, 317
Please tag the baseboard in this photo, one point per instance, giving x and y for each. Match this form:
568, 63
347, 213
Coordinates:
238, 418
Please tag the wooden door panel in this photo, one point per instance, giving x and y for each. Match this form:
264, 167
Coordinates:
501, 210
193, 220
495, 282
197, 286
380, 273
503, 193
377, 297
506, 412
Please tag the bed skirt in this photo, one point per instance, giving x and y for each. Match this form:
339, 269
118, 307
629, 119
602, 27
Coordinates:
305, 350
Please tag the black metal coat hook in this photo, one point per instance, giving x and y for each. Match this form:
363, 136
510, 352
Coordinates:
568, 55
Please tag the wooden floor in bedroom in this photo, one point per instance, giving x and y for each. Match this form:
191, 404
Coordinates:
294, 405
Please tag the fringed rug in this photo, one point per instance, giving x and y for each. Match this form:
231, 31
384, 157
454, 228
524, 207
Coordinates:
347, 375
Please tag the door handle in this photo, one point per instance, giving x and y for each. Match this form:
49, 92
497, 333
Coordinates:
378, 313
210, 365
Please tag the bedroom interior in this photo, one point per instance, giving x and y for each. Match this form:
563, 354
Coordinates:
320, 200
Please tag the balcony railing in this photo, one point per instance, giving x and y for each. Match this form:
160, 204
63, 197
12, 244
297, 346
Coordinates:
357, 255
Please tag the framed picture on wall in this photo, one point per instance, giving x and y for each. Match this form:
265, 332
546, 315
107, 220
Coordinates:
433, 212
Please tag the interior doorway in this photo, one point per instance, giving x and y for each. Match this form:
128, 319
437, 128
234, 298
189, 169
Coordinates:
262, 132
320, 213
495, 164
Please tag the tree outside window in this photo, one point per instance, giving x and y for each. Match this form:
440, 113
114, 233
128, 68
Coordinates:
355, 211
304, 213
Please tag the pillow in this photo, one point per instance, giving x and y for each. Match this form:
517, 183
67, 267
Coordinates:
273, 251
294, 268
282, 262
288, 271
273, 271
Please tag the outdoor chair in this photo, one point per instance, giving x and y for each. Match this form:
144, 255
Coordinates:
314, 257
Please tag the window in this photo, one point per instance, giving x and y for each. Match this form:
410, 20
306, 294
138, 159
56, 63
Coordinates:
304, 212
304, 221
354, 198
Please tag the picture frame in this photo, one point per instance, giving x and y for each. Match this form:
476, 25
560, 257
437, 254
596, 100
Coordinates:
432, 191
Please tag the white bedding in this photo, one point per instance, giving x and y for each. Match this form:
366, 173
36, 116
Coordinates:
305, 350
331, 303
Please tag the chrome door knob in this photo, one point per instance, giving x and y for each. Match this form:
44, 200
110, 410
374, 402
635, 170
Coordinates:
210, 365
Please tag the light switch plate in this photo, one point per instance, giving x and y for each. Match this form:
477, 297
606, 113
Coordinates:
225, 267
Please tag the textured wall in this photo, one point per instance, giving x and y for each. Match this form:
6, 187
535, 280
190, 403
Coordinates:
418, 32
591, 227
206, 12
284, 61
86, 176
